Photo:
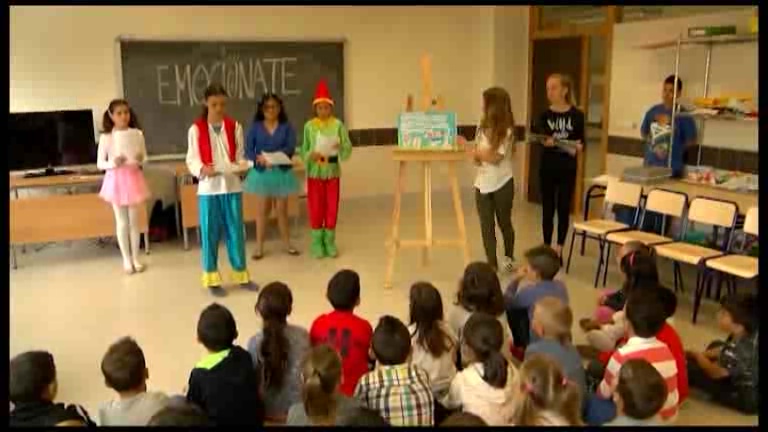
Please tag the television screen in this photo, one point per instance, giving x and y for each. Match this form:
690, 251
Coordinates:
51, 139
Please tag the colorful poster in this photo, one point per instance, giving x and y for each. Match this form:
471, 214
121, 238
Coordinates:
433, 130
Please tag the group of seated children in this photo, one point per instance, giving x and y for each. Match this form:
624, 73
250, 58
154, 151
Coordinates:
459, 371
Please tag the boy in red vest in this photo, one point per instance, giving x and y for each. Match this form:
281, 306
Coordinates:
216, 156
326, 142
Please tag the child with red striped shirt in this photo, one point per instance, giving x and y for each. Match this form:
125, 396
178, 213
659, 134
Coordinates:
646, 314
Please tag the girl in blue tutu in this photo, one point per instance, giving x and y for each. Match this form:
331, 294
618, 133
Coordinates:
271, 133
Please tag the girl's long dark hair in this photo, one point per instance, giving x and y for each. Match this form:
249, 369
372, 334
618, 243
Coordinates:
322, 375
639, 268
497, 119
213, 89
282, 117
106, 121
274, 305
426, 312
480, 290
485, 337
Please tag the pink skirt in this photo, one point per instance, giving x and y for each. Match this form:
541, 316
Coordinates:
124, 186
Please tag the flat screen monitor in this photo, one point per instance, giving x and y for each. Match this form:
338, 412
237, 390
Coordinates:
51, 139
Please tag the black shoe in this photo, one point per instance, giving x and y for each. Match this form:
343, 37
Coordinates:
217, 291
250, 286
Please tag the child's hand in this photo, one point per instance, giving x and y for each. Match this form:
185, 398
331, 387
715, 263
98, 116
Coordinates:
207, 171
549, 142
261, 160
120, 160
712, 353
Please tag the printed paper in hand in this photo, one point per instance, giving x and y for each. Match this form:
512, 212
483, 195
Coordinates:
277, 158
325, 145
128, 143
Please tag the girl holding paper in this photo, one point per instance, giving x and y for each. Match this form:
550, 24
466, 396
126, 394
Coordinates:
557, 172
326, 143
121, 153
215, 155
270, 139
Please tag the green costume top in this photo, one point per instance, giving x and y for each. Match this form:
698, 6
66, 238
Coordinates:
320, 134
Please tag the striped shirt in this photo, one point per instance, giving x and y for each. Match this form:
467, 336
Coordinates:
400, 393
656, 353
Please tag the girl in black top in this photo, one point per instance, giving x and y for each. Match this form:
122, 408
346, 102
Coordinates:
557, 173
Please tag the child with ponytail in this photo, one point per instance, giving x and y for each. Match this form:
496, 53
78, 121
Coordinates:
277, 351
124, 186
484, 387
322, 404
545, 396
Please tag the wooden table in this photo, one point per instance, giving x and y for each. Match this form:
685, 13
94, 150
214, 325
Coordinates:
188, 216
54, 218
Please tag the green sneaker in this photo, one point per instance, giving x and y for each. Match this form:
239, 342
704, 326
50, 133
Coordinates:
317, 249
329, 240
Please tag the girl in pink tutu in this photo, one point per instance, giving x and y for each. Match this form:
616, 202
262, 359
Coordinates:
121, 154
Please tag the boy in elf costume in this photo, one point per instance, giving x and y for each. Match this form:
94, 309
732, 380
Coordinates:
326, 143
216, 156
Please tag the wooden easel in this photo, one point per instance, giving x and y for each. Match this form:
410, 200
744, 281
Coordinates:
426, 157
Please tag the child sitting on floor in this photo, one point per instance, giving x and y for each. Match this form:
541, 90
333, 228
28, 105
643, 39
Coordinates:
545, 396
480, 291
534, 281
397, 389
224, 384
125, 371
641, 273
277, 351
344, 295
639, 396
32, 390
552, 321
484, 386
728, 371
434, 344
611, 301
645, 317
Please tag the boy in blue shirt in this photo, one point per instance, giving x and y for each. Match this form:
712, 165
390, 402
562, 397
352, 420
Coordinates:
533, 282
656, 130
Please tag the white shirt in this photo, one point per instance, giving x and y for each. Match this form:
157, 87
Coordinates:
458, 317
105, 154
470, 392
441, 369
228, 180
492, 177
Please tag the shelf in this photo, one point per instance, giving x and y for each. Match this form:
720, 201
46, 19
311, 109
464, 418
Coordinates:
704, 40
716, 117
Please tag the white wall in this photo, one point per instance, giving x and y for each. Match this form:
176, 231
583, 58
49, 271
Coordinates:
63, 57
637, 74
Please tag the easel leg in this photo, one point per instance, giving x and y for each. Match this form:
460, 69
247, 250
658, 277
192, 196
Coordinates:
427, 212
394, 241
458, 210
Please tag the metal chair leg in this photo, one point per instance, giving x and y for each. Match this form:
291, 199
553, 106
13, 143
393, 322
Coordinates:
570, 251
698, 292
674, 277
607, 263
601, 245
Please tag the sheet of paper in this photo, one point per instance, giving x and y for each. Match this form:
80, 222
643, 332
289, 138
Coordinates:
127, 143
277, 158
325, 145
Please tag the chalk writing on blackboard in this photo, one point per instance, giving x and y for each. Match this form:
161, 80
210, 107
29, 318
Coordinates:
244, 78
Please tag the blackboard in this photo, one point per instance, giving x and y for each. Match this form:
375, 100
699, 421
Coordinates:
164, 82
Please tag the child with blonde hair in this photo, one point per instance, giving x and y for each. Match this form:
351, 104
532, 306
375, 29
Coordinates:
546, 397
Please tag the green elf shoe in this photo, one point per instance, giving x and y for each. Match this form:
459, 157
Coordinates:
317, 249
329, 240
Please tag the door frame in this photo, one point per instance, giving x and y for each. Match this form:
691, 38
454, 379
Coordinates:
585, 31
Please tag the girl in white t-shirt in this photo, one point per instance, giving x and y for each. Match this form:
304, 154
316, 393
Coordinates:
494, 183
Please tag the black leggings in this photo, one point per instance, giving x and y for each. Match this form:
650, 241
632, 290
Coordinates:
557, 180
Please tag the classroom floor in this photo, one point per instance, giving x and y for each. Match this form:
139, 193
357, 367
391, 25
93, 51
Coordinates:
73, 300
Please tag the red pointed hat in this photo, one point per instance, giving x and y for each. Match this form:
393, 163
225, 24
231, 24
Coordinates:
322, 94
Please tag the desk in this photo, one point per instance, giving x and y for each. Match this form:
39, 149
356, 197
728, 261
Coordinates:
744, 200
54, 218
187, 215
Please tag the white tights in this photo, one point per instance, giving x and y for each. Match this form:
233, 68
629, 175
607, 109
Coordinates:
127, 228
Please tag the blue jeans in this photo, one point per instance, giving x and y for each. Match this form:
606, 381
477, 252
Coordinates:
598, 411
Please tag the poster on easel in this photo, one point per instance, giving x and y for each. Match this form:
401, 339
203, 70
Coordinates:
431, 130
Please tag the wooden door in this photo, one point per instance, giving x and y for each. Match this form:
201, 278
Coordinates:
557, 55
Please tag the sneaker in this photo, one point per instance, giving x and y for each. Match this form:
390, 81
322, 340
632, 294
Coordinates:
217, 291
508, 265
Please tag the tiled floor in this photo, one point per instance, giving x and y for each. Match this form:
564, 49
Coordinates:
73, 300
